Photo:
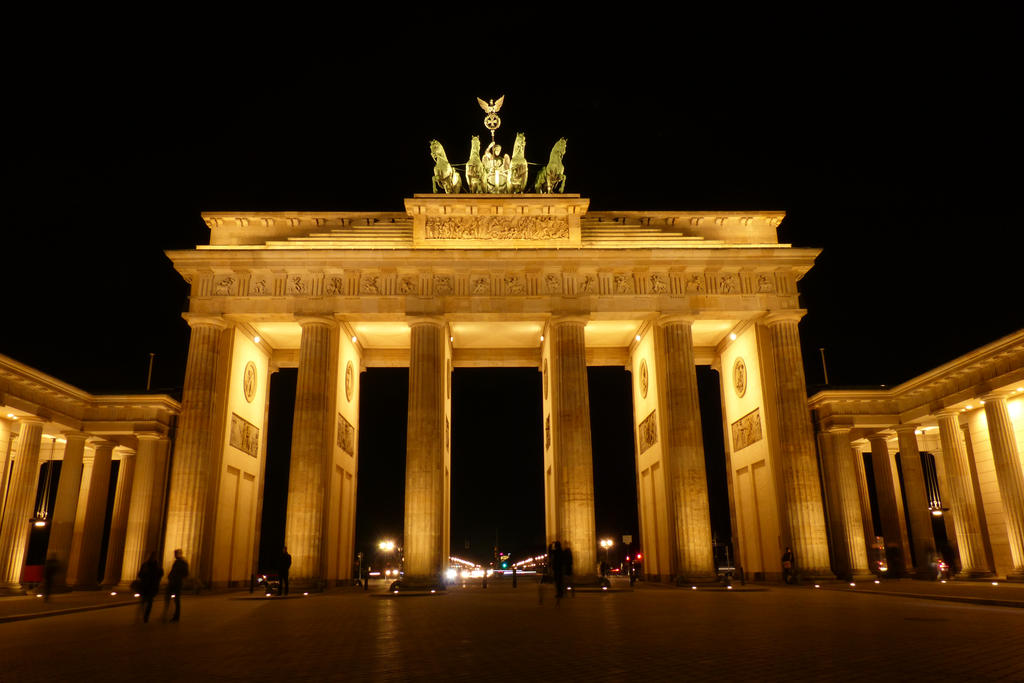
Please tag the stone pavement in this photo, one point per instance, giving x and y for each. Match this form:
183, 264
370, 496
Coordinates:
501, 634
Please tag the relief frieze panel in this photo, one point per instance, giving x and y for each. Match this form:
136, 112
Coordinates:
245, 436
497, 227
346, 436
648, 432
746, 430
374, 283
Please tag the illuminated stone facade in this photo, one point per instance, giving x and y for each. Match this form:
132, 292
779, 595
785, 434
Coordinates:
494, 280
969, 416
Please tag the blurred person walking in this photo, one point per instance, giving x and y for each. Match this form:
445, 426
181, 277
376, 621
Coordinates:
149, 584
175, 584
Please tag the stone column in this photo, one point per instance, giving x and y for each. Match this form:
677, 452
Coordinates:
797, 459
6, 453
857, 450
311, 451
963, 505
195, 447
574, 460
87, 574
424, 459
684, 450
844, 506
119, 520
917, 500
66, 505
18, 510
890, 504
1009, 475
138, 538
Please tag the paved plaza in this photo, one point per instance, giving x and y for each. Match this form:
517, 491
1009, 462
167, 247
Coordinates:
499, 634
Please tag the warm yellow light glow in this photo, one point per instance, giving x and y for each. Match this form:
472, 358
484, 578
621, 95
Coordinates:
693, 588
732, 336
877, 581
12, 416
542, 337
256, 339
451, 339
638, 337
113, 592
305, 593
995, 583
918, 432
39, 523
39, 595
853, 585
817, 586
353, 339
387, 546
970, 407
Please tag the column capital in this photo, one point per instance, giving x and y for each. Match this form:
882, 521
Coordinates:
98, 443
148, 435
676, 318
947, 412
325, 320
842, 429
904, 428
570, 318
201, 320
433, 320
70, 434
788, 315
877, 436
997, 394
31, 419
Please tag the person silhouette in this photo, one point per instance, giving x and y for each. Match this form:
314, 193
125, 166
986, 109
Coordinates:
175, 583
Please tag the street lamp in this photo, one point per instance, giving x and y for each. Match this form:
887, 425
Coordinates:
386, 546
606, 543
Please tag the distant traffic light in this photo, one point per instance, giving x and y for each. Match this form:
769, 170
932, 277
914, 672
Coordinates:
639, 556
504, 565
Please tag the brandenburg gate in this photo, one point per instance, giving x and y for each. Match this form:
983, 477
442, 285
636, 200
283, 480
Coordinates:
494, 279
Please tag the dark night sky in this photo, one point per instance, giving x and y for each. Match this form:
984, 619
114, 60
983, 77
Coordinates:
894, 150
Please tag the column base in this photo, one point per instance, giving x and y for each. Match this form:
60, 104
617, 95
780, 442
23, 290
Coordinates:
12, 589
1015, 577
862, 575
978, 575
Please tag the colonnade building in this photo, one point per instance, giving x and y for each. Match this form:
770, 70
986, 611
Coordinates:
967, 419
43, 422
535, 281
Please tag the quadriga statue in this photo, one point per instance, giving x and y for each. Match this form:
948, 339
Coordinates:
519, 169
474, 167
551, 178
445, 175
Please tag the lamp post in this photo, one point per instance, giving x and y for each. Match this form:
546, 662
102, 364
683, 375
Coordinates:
606, 543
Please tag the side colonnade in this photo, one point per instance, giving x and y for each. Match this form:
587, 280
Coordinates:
966, 418
45, 422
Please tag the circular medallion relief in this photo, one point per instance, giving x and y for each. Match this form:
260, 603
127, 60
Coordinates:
545, 378
350, 381
249, 381
739, 377
643, 379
